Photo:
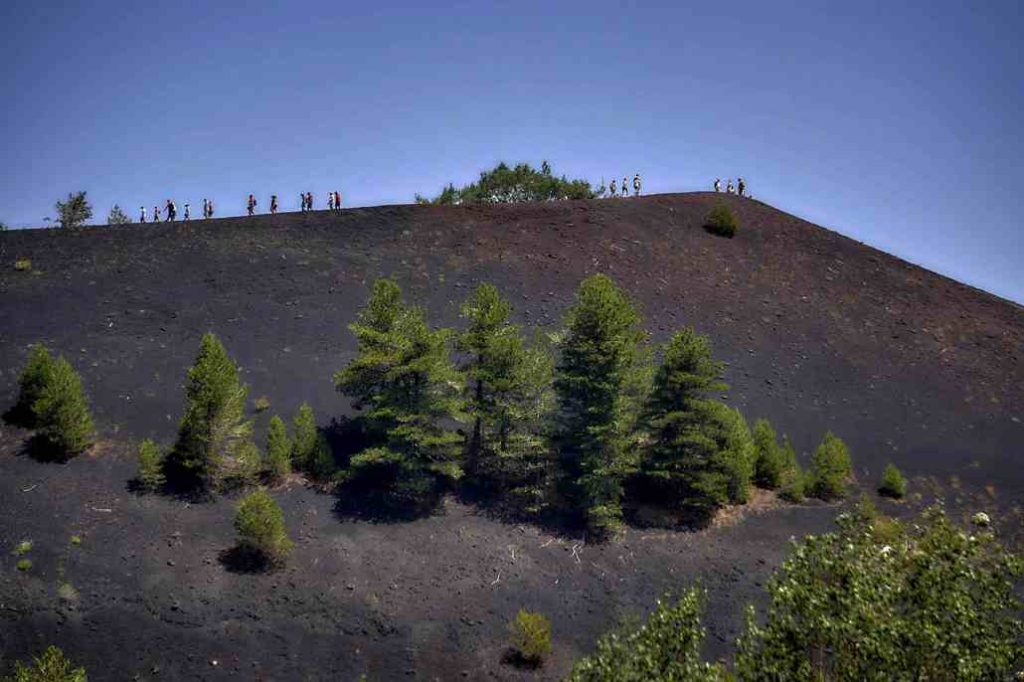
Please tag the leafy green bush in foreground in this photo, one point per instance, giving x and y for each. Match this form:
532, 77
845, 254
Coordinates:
260, 525
52, 666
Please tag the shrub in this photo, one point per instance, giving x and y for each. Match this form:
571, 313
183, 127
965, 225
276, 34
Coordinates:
530, 636
601, 360
738, 454
260, 526
52, 666
23, 548
117, 216
830, 469
213, 424
75, 211
793, 480
244, 464
769, 459
23, 564
23, 265
880, 600
61, 412
278, 450
721, 221
321, 465
304, 435
893, 484
261, 404
666, 647
150, 473
504, 185
33, 379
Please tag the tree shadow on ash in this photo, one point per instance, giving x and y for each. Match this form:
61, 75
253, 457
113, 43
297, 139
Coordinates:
658, 510
245, 560
515, 658
41, 449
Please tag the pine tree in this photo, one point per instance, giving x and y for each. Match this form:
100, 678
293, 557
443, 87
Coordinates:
62, 413
304, 437
831, 469
260, 526
769, 456
75, 211
278, 450
793, 479
213, 428
117, 216
696, 454
31, 381
404, 379
508, 395
601, 355
151, 466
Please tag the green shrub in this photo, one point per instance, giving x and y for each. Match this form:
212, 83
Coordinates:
61, 412
260, 526
721, 221
52, 666
23, 548
117, 216
279, 450
504, 184
75, 211
880, 600
666, 647
261, 404
213, 425
33, 379
738, 453
530, 636
321, 465
893, 484
150, 473
793, 480
304, 435
244, 465
23, 564
23, 265
769, 459
830, 469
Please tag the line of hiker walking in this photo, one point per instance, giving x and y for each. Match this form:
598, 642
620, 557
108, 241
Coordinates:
612, 193
169, 212
740, 188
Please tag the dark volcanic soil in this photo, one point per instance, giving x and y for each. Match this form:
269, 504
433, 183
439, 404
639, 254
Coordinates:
820, 332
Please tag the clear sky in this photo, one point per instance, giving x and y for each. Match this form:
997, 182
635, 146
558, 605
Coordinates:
896, 123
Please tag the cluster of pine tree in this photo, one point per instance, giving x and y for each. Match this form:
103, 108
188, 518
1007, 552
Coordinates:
506, 184
569, 435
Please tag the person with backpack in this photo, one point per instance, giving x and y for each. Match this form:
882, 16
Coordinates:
636, 185
740, 186
210, 207
728, 187
330, 201
625, 187
251, 205
337, 201
273, 203
309, 201
142, 214
612, 191
172, 211
156, 214
302, 201
188, 213
718, 184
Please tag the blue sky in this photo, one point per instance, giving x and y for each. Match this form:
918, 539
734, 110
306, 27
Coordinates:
898, 124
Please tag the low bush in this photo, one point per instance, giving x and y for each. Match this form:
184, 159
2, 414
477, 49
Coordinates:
893, 484
831, 469
23, 265
261, 404
530, 635
23, 548
61, 412
260, 526
150, 474
52, 666
721, 221
279, 451
23, 564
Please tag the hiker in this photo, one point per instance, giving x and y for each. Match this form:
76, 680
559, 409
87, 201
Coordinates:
718, 184
625, 187
612, 189
330, 201
142, 216
302, 201
171, 212
636, 185
251, 206
156, 214
309, 201
188, 213
337, 201
206, 209
273, 203
740, 186
728, 187
209, 206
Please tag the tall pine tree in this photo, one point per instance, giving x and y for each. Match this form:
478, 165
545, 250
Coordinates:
595, 383
508, 396
404, 379
213, 431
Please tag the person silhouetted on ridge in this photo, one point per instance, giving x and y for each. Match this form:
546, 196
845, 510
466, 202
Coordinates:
172, 211
251, 205
718, 184
156, 214
337, 201
636, 185
309, 201
188, 213
302, 201
625, 187
740, 186
330, 201
273, 203
728, 187
142, 214
612, 189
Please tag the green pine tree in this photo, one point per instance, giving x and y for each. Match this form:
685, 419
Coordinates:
831, 469
304, 437
769, 464
404, 379
62, 413
601, 358
508, 396
150, 474
213, 427
279, 450
31, 381
793, 479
